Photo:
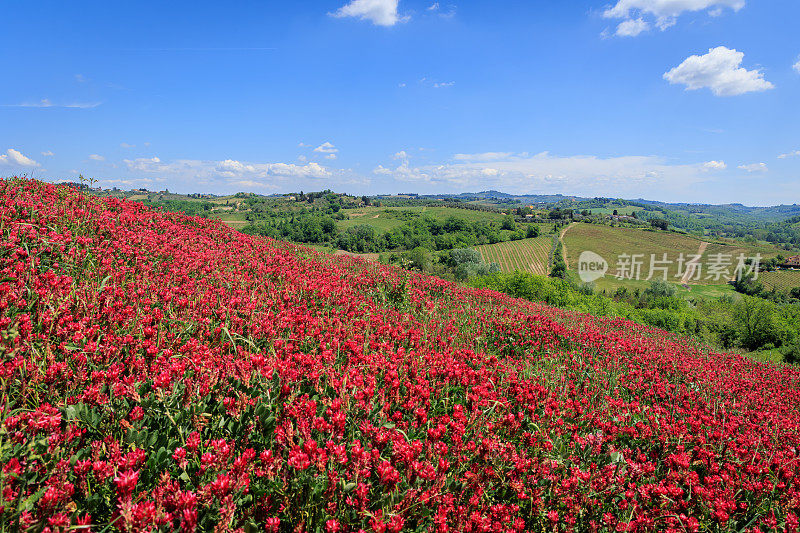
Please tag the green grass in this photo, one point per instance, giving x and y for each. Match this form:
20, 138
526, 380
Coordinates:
442, 213
234, 219
708, 292
766, 356
610, 284
735, 248
320, 248
377, 217
230, 215
527, 255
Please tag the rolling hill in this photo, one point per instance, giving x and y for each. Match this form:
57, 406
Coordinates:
611, 242
164, 372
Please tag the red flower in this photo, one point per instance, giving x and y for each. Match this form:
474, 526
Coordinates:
299, 459
126, 482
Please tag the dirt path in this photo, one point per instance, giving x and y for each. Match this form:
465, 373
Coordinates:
564, 246
691, 266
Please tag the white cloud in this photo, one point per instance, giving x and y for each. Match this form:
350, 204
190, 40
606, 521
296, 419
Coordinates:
485, 156
379, 12
666, 12
82, 105
330, 156
326, 148
437, 9
400, 155
48, 153
425, 81
311, 170
143, 164
381, 170
633, 176
126, 145
755, 167
632, 27
229, 168
796, 66
130, 182
715, 165
80, 78
15, 157
95, 157
793, 153
720, 71
44, 102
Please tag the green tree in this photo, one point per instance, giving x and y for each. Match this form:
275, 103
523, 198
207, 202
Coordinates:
420, 259
747, 284
559, 268
659, 223
755, 318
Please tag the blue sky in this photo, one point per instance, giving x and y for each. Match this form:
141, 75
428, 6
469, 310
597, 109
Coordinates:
676, 100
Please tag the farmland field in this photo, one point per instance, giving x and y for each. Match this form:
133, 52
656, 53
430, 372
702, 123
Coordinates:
783, 280
386, 218
232, 219
166, 373
609, 242
527, 255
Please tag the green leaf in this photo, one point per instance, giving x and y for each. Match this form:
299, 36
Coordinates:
27, 503
103, 284
161, 455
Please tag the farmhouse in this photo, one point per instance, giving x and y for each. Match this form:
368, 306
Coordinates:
791, 262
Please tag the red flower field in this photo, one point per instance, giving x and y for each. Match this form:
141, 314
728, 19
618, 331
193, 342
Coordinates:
166, 373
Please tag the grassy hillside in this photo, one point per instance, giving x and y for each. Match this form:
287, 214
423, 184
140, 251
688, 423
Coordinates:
527, 255
610, 242
386, 218
164, 372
